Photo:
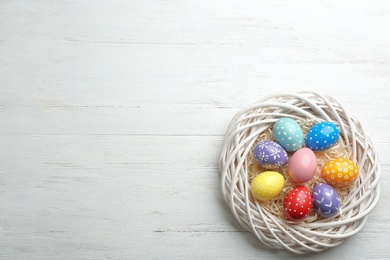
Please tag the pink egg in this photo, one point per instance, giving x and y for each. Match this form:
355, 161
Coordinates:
302, 166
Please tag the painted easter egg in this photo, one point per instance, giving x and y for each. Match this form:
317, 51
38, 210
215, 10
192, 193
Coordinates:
297, 204
321, 136
303, 165
340, 172
270, 154
326, 200
288, 134
267, 185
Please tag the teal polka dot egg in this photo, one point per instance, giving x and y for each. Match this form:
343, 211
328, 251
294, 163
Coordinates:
288, 134
322, 136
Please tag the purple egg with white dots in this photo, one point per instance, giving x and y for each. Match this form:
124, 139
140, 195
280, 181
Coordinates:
326, 200
270, 154
322, 136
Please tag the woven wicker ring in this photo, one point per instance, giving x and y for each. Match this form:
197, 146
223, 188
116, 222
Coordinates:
273, 230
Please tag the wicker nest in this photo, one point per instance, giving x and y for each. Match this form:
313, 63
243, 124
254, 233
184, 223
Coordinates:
265, 219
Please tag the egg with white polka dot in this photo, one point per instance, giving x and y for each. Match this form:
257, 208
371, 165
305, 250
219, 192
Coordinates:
340, 172
297, 204
267, 185
288, 134
322, 136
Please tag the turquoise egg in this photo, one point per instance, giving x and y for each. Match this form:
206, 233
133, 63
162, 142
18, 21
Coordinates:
322, 136
288, 134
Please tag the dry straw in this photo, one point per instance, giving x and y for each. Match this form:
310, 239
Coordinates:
265, 218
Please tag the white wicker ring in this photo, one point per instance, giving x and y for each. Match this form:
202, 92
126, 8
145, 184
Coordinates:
276, 232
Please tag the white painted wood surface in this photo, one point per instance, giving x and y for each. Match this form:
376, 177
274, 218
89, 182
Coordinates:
112, 116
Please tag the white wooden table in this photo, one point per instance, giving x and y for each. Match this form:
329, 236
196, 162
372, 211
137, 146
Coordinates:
112, 116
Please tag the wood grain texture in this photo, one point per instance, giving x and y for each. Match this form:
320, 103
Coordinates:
113, 113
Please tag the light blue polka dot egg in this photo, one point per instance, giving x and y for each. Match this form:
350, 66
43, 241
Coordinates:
288, 134
322, 136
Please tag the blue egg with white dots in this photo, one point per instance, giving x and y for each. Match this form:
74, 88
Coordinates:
322, 136
288, 134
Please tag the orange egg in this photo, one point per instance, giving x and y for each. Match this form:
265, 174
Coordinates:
339, 172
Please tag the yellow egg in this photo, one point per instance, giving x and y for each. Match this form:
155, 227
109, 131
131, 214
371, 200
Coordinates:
267, 185
340, 172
